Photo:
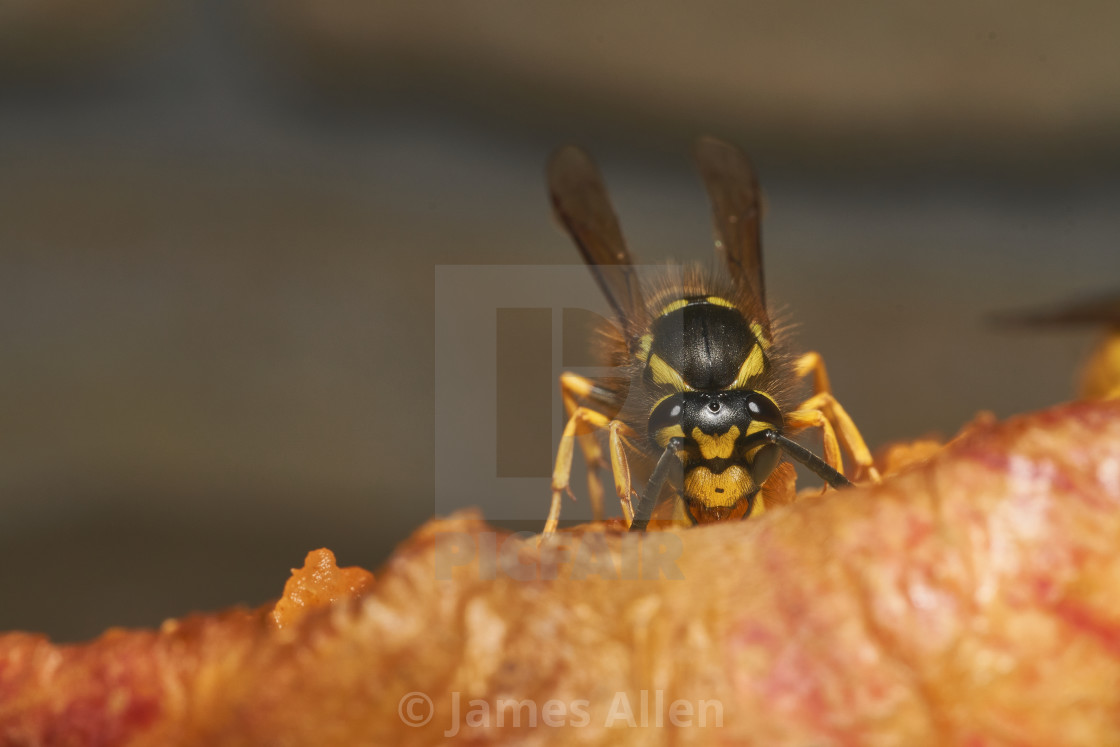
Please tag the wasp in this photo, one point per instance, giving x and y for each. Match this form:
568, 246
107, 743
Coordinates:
705, 397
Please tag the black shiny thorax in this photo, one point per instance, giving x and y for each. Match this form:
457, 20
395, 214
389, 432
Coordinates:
705, 342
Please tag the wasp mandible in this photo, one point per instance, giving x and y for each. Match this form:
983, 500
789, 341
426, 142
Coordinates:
705, 397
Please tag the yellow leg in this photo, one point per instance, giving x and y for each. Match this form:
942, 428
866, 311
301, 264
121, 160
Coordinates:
573, 389
849, 435
584, 417
814, 418
620, 466
814, 364
840, 422
562, 473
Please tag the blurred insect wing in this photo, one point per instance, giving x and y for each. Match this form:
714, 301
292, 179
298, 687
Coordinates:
733, 191
580, 201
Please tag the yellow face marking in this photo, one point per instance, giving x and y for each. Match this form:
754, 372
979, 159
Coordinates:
644, 344
680, 303
720, 301
663, 373
756, 330
758, 425
725, 489
664, 434
716, 447
754, 365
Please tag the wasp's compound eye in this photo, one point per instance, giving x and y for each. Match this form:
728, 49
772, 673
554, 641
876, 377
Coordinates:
666, 414
763, 408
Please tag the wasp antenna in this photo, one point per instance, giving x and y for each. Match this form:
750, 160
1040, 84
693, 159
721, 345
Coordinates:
814, 463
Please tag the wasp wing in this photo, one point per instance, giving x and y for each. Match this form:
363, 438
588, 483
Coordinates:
1101, 309
579, 198
733, 191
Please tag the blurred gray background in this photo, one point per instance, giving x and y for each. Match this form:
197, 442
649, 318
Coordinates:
220, 223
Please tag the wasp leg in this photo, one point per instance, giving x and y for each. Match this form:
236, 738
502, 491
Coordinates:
561, 475
813, 363
842, 423
620, 466
799, 419
574, 390
648, 501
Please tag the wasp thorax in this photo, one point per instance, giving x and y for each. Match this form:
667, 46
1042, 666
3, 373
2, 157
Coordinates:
702, 340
